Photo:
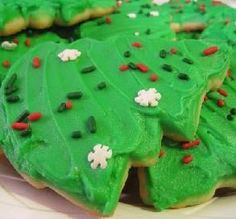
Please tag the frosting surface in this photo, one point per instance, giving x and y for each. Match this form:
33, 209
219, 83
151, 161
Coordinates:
23, 43
134, 18
80, 136
185, 175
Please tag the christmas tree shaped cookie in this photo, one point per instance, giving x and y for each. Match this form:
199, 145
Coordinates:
188, 173
134, 18
76, 117
41, 14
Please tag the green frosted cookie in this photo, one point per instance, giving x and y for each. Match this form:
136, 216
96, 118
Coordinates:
134, 18
193, 15
40, 14
188, 173
76, 117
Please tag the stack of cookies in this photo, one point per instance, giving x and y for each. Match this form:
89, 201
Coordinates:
92, 88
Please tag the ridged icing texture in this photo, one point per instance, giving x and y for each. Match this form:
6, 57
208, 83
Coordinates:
60, 147
24, 42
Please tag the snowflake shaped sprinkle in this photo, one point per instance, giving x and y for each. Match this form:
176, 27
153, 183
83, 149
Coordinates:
154, 13
132, 15
8, 45
148, 97
69, 55
160, 2
99, 156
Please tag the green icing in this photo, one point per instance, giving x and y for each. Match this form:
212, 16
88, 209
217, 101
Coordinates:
13, 55
122, 24
202, 12
170, 182
131, 131
221, 31
64, 10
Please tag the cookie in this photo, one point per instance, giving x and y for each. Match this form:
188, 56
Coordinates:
189, 173
196, 15
134, 18
41, 14
78, 121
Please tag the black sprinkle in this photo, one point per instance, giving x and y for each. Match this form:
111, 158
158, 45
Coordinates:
10, 90
74, 95
61, 108
163, 54
188, 61
91, 123
140, 11
167, 67
183, 76
88, 69
127, 54
26, 133
132, 66
23, 116
76, 134
13, 99
233, 111
148, 31
230, 117
102, 85
100, 22
11, 81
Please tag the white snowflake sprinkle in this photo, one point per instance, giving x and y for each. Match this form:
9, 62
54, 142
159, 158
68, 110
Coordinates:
148, 97
154, 13
160, 2
99, 156
8, 45
136, 33
132, 15
69, 55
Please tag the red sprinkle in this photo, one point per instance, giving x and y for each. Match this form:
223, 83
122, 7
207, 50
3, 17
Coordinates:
6, 64
173, 50
222, 92
108, 20
143, 68
27, 42
34, 116
20, 126
210, 50
153, 77
191, 144
69, 104
161, 154
36, 62
187, 159
124, 67
205, 98
220, 103
137, 44
229, 73
16, 41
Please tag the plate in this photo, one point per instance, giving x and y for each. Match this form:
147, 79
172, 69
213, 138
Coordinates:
20, 200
